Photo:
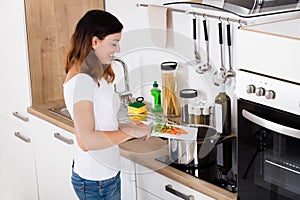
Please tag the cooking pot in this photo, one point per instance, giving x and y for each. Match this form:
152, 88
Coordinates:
202, 151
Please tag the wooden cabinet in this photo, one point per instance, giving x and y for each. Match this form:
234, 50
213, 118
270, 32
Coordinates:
54, 151
14, 77
50, 25
17, 166
163, 187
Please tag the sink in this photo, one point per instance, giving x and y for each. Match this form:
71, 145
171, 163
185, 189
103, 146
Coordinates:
61, 112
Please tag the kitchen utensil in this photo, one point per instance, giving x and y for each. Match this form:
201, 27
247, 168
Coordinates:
230, 72
202, 151
197, 60
219, 75
203, 68
197, 63
181, 151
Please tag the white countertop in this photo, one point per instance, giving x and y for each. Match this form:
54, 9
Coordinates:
286, 28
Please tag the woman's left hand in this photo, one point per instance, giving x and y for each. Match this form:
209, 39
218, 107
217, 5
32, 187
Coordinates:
137, 129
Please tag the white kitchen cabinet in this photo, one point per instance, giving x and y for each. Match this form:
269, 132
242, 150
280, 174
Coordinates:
54, 151
17, 166
163, 187
128, 180
15, 76
145, 195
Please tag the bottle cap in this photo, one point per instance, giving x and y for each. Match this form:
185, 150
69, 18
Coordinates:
155, 84
222, 88
188, 93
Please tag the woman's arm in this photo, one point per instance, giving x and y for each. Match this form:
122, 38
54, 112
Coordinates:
90, 139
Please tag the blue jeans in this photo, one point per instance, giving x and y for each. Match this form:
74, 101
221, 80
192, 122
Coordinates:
109, 189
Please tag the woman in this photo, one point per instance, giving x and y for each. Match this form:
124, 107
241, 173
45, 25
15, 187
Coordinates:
93, 105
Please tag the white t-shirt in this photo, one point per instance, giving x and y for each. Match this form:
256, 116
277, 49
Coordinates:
95, 164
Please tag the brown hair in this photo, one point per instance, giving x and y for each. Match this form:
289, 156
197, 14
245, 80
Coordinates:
97, 23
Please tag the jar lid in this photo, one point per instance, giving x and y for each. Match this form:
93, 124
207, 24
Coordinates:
197, 110
206, 110
188, 93
168, 66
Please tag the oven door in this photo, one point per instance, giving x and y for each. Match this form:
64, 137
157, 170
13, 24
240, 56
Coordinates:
268, 153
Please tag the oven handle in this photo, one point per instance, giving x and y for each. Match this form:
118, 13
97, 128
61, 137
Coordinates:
285, 130
282, 167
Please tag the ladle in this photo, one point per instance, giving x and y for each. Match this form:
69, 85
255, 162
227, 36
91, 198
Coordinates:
230, 72
219, 76
203, 68
197, 62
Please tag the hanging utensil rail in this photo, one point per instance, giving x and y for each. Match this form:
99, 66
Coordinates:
240, 21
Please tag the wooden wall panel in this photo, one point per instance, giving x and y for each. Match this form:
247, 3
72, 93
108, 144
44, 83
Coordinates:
50, 24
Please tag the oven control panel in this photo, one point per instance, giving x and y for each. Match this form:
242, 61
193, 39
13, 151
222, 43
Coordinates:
268, 91
260, 91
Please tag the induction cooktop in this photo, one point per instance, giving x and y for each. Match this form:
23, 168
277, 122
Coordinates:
210, 173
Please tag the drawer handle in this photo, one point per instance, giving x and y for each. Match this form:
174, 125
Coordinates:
21, 117
64, 139
170, 189
22, 137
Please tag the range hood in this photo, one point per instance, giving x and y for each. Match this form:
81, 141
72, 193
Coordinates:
247, 8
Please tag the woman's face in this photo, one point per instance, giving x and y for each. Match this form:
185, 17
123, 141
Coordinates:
106, 48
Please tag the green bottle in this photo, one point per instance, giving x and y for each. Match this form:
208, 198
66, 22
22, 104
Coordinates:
156, 92
223, 112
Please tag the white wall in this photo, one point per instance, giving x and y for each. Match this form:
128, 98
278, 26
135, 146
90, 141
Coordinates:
143, 57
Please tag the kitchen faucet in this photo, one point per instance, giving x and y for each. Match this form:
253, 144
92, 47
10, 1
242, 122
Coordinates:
125, 95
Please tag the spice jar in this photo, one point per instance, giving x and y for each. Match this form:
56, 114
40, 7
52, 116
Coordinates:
187, 97
205, 114
169, 89
212, 116
197, 114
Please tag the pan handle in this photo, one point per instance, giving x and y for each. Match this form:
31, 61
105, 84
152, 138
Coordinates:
205, 30
220, 33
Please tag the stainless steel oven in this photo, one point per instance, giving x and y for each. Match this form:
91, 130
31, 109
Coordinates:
268, 137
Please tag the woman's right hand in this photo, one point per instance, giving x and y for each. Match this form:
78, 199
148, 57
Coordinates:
136, 129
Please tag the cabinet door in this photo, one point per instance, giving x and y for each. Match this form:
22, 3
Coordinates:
14, 78
54, 151
17, 163
163, 187
128, 183
144, 195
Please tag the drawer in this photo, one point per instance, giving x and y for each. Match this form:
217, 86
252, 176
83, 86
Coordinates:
145, 195
163, 187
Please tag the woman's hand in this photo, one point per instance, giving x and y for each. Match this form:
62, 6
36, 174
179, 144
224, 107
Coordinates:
136, 129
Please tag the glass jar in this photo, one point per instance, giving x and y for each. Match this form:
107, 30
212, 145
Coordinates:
169, 89
188, 103
205, 114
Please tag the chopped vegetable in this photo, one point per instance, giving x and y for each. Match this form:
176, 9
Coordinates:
170, 129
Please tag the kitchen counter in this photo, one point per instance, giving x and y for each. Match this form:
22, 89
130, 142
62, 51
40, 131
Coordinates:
143, 153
